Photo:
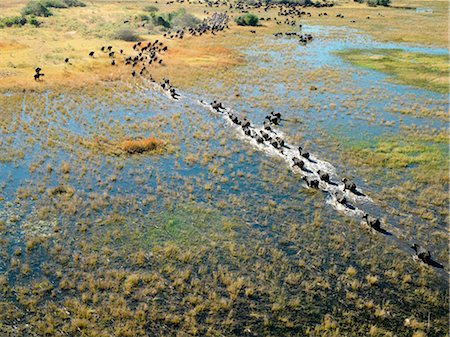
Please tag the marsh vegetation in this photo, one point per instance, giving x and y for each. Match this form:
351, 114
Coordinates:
417, 69
124, 212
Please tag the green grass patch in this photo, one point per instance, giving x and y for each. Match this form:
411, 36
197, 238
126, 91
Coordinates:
190, 224
400, 152
417, 69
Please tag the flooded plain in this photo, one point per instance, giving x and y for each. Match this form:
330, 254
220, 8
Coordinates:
216, 235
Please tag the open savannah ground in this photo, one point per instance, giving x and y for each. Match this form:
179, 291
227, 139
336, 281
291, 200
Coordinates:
130, 206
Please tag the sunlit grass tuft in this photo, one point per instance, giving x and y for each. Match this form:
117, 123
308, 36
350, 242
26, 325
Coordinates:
142, 145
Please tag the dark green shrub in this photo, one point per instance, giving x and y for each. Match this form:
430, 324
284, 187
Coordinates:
374, 3
247, 20
161, 20
14, 21
178, 13
151, 9
34, 22
53, 3
294, 2
41, 7
18, 21
74, 3
179, 18
37, 9
9, 21
126, 35
143, 17
185, 20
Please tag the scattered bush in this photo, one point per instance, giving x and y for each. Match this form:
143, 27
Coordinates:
74, 3
126, 35
36, 8
41, 7
247, 20
179, 18
151, 9
374, 3
294, 2
18, 21
379, 2
185, 20
53, 3
34, 22
144, 17
160, 20
13, 21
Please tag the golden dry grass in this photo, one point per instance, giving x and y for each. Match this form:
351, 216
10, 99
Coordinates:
74, 32
142, 145
183, 60
118, 147
395, 23
11, 7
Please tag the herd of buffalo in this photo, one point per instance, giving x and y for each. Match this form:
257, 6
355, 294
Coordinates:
151, 53
268, 136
